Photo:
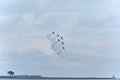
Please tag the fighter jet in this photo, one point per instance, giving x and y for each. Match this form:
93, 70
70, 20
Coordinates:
58, 39
62, 38
62, 43
57, 35
53, 32
63, 47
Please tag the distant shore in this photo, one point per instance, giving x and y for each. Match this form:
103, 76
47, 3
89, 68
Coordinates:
40, 77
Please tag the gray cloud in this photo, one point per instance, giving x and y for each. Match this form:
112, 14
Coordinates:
91, 27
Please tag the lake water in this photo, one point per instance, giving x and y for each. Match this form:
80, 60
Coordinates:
57, 79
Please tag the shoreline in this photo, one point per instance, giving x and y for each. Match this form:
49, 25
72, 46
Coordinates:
40, 77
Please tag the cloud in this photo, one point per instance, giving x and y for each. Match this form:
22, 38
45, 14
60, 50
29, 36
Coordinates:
38, 63
90, 30
65, 17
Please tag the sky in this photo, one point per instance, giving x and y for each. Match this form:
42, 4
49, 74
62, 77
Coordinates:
90, 29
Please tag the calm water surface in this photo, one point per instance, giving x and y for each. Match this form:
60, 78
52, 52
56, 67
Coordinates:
59, 79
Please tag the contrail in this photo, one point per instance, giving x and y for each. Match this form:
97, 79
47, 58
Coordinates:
57, 43
67, 52
58, 46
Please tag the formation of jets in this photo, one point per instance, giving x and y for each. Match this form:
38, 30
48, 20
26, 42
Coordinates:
59, 39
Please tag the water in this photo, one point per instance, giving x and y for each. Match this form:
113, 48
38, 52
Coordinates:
56, 79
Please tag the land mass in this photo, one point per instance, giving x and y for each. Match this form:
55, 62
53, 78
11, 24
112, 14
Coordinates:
40, 77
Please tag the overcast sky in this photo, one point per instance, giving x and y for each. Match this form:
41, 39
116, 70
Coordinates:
91, 30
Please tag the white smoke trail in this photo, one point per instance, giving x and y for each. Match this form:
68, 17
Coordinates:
56, 43
58, 47
76, 54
